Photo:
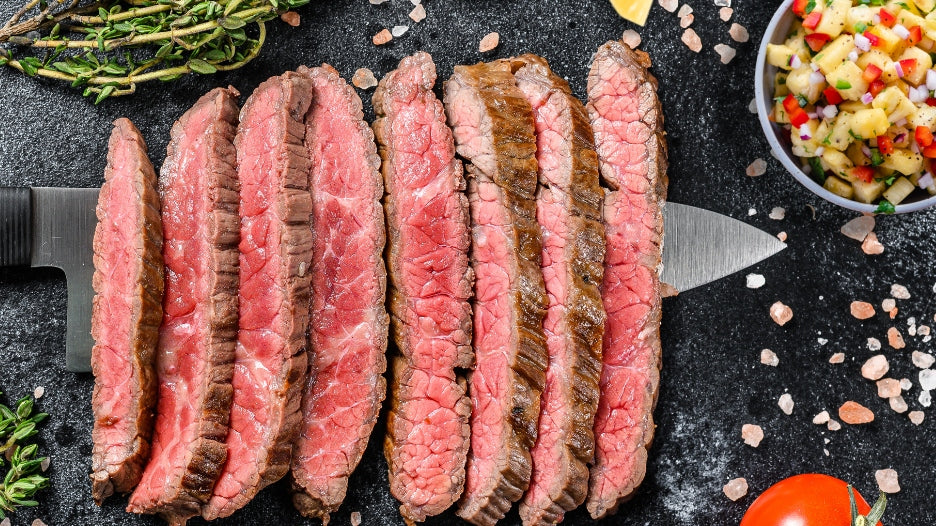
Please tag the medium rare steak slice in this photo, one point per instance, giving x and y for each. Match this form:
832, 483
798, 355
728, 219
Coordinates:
127, 310
568, 209
348, 327
275, 255
493, 129
628, 124
427, 217
195, 356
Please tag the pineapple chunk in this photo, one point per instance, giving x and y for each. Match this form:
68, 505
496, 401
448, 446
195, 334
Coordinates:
925, 5
890, 42
894, 103
847, 79
924, 62
833, 18
834, 53
838, 187
924, 116
840, 137
856, 155
852, 106
798, 83
836, 161
779, 55
867, 192
780, 115
860, 14
880, 59
903, 161
780, 87
909, 19
806, 147
869, 123
899, 190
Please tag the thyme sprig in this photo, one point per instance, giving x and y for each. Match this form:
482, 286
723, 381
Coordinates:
108, 47
23, 476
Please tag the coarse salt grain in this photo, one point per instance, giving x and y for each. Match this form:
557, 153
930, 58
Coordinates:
905, 384
821, 419
871, 246
777, 213
757, 168
739, 33
834, 425
822, 341
355, 518
895, 339
725, 13
887, 480
377, 2
418, 14
752, 107
489, 42
768, 357
382, 37
726, 52
686, 21
631, 38
875, 367
923, 330
898, 404
5, 521
38, 522
780, 313
862, 310
669, 5
292, 18
900, 292
888, 387
858, 228
925, 398
38, 392
782, 236
364, 78
684, 10
44, 465
786, 403
752, 434
923, 360
398, 31
874, 344
825, 452
916, 417
855, 414
838, 357
888, 304
691, 39
736, 488
928, 379
755, 281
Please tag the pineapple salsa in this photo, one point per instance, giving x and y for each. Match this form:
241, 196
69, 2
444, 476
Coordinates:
855, 84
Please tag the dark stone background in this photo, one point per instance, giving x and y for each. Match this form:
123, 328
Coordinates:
712, 382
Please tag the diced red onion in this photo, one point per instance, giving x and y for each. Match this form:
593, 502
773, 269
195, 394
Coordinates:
913, 147
901, 31
805, 133
915, 95
926, 181
812, 115
862, 42
830, 111
867, 98
819, 151
866, 150
816, 77
853, 55
900, 137
876, 19
795, 61
898, 68
930, 80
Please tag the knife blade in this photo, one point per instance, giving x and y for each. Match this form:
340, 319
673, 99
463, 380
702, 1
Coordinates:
54, 227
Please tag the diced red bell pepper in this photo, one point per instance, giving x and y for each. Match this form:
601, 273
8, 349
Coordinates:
799, 7
874, 39
863, 173
923, 136
887, 18
931, 101
908, 65
876, 87
812, 20
885, 144
930, 151
798, 117
916, 35
832, 95
791, 103
815, 41
871, 73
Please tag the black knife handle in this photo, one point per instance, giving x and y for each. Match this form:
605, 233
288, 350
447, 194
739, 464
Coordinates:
15, 227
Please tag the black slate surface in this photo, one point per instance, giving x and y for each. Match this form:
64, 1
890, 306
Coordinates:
712, 382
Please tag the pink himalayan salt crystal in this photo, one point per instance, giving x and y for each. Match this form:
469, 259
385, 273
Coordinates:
752, 434
780, 313
888, 388
871, 246
875, 367
858, 228
862, 310
887, 480
691, 39
736, 488
916, 417
895, 339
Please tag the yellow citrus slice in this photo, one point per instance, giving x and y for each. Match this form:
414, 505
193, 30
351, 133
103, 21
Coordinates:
634, 10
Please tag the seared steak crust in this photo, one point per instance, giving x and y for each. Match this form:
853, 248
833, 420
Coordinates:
126, 314
349, 322
493, 129
568, 203
628, 124
427, 254
199, 192
275, 255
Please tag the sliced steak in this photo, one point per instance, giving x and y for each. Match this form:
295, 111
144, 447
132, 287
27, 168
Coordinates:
494, 130
628, 123
349, 322
275, 255
568, 209
428, 238
127, 310
195, 356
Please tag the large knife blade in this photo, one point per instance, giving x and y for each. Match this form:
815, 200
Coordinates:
54, 227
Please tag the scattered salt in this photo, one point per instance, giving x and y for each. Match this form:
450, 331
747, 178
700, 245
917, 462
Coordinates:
739, 33
888, 387
825, 451
895, 339
489, 42
669, 5
631, 38
854, 413
858, 228
874, 344
686, 21
786, 403
898, 404
38, 522
292, 18
777, 213
782, 236
752, 106
398, 31
691, 39
722, 3
382, 37
768, 357
862, 310
418, 14
928, 379
821, 419
5, 521
925, 398
725, 13
780, 313
752, 434
364, 79
871, 246
735, 489
726, 52
906, 384
887, 480
684, 10
752, 212
755, 281
822, 341
916, 417
757, 168
838, 357
888, 304
834, 425
44, 465
38, 392
900, 292
923, 360
875, 367
355, 518
377, 2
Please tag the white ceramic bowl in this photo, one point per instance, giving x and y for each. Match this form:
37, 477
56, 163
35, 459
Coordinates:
779, 138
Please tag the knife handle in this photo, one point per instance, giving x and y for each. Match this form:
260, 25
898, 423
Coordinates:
15, 227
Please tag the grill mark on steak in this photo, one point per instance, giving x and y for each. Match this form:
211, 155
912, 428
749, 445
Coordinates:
349, 322
275, 253
568, 209
628, 124
199, 192
493, 129
427, 215
126, 313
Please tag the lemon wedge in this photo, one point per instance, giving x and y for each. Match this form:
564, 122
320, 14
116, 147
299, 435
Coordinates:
634, 10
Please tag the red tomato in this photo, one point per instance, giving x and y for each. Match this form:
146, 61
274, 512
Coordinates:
805, 500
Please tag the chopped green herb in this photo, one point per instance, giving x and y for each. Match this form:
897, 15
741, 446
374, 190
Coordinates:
861, 27
818, 173
842, 84
876, 157
885, 207
890, 180
828, 139
855, 136
803, 101
810, 6
23, 471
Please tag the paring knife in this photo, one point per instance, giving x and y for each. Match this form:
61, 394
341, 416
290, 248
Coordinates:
54, 227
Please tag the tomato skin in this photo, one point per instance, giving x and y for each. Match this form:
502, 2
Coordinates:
805, 500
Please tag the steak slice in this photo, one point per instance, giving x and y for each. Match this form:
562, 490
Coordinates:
427, 216
628, 123
195, 356
349, 322
127, 310
568, 209
275, 254
494, 130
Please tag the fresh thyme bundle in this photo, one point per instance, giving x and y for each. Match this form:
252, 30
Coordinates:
23, 477
109, 46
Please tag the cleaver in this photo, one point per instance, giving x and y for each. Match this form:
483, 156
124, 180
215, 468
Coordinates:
54, 227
